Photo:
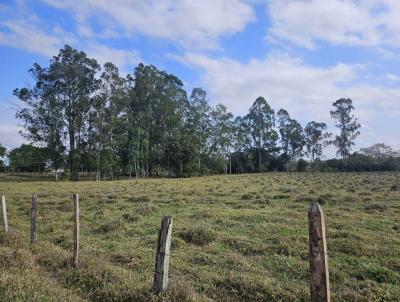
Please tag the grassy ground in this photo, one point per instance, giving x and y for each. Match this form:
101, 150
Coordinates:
235, 238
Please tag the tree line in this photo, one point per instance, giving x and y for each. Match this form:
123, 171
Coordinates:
92, 119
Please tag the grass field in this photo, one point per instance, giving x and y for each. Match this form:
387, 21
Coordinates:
235, 238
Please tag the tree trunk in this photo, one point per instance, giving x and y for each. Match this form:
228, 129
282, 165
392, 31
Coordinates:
182, 168
98, 165
72, 164
230, 164
238, 163
200, 161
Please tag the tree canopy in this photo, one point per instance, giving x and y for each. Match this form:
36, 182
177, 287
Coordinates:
90, 118
348, 125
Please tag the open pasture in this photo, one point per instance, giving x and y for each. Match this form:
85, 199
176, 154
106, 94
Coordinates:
234, 238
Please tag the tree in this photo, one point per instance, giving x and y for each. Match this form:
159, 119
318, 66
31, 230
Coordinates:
379, 151
316, 138
297, 140
348, 126
221, 121
302, 165
174, 107
104, 116
292, 136
156, 114
93, 119
28, 158
42, 116
60, 101
240, 138
284, 122
199, 123
261, 119
3, 152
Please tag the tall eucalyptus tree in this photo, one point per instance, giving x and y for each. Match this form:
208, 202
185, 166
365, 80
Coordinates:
261, 118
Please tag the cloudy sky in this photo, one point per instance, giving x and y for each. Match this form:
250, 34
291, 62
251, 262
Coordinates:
301, 55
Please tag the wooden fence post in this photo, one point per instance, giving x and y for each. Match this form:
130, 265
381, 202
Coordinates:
76, 229
34, 228
162, 256
5, 220
319, 272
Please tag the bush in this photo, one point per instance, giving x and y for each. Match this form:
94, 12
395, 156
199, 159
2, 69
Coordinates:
376, 207
111, 226
247, 196
302, 165
139, 199
198, 236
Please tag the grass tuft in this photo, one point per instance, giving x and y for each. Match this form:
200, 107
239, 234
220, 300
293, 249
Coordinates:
198, 236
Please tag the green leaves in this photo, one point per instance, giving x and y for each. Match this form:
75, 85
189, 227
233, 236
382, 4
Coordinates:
347, 124
91, 118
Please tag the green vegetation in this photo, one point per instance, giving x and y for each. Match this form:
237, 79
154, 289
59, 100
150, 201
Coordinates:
28, 158
89, 118
235, 238
3, 152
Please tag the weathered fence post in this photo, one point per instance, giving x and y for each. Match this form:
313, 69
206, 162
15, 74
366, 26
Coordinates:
34, 213
319, 272
162, 256
5, 220
76, 229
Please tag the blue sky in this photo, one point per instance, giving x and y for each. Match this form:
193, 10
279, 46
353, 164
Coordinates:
300, 55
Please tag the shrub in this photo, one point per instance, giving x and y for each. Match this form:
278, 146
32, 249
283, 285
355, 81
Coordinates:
247, 196
145, 209
130, 217
375, 207
139, 199
302, 165
111, 226
198, 236
201, 214
177, 291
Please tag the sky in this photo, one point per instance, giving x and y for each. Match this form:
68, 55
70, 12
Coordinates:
301, 55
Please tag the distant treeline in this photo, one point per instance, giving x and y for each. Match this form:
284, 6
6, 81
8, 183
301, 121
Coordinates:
379, 157
85, 118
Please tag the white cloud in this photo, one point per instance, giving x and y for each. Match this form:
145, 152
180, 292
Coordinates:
28, 36
347, 22
191, 23
9, 131
10, 137
122, 58
25, 35
307, 92
386, 54
283, 80
85, 31
392, 77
